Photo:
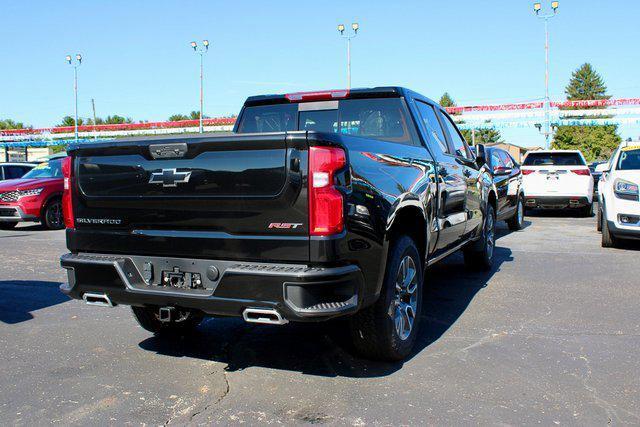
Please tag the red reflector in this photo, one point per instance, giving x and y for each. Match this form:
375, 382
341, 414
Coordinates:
67, 200
527, 171
326, 207
317, 96
581, 171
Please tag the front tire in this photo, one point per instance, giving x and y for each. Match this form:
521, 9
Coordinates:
52, 216
185, 321
608, 239
387, 330
480, 254
517, 221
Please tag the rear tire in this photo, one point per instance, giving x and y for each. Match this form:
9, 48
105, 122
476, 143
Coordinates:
387, 330
8, 225
52, 215
480, 254
516, 222
147, 317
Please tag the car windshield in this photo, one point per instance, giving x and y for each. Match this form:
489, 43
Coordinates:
384, 118
553, 159
629, 159
52, 169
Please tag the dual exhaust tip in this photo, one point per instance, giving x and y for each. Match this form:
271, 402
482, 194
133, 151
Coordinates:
268, 316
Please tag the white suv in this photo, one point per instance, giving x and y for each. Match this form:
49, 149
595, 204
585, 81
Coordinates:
619, 207
557, 179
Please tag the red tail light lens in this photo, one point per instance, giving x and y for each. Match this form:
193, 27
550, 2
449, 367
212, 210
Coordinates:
67, 200
584, 172
527, 171
325, 201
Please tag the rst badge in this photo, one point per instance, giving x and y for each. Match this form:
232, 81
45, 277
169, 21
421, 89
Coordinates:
285, 225
169, 177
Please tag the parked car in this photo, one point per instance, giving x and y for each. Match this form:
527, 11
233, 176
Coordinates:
595, 173
37, 196
507, 179
321, 205
13, 170
619, 202
557, 179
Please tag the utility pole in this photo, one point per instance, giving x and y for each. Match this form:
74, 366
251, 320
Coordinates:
201, 51
355, 27
75, 64
93, 106
537, 7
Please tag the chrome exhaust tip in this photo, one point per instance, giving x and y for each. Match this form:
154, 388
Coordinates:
101, 300
268, 316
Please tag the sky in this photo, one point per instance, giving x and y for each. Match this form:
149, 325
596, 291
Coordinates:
138, 62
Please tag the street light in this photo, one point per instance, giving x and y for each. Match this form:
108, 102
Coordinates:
75, 64
537, 8
201, 51
355, 27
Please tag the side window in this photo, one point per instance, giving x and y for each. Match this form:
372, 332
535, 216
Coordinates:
507, 160
12, 172
459, 146
431, 122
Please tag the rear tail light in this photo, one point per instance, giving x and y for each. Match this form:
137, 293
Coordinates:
527, 171
67, 200
584, 172
326, 205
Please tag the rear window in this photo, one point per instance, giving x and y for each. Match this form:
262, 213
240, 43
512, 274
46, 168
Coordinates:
384, 118
553, 159
629, 159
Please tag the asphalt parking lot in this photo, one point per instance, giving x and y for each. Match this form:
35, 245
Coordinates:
550, 336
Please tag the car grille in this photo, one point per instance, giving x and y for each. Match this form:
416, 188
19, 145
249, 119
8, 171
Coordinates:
8, 212
9, 196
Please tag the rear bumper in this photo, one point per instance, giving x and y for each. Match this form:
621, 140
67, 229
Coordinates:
297, 292
556, 202
13, 213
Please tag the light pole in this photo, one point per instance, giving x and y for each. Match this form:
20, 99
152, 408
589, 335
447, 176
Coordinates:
537, 7
75, 64
355, 27
201, 50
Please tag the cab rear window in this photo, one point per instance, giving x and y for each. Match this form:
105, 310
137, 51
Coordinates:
386, 119
553, 159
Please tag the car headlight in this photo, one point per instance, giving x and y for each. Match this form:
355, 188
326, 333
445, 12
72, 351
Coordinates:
30, 192
625, 189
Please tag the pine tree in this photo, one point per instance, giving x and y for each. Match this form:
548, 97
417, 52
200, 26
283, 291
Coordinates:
446, 101
586, 84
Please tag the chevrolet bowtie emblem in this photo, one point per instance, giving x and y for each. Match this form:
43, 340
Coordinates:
169, 177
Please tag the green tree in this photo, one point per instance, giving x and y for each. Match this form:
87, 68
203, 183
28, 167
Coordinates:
586, 84
116, 120
446, 101
595, 142
12, 124
177, 117
69, 121
482, 136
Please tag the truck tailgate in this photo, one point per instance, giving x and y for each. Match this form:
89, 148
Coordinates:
240, 197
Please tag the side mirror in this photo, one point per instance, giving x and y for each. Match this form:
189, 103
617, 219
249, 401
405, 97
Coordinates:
603, 167
481, 156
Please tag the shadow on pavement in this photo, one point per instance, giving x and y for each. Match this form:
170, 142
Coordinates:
323, 349
18, 298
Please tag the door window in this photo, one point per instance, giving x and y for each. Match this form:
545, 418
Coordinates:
12, 172
430, 120
459, 146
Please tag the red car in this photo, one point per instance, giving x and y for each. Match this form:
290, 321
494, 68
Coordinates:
37, 196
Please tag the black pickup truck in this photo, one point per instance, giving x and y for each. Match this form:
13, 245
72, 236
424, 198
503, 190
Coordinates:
320, 205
